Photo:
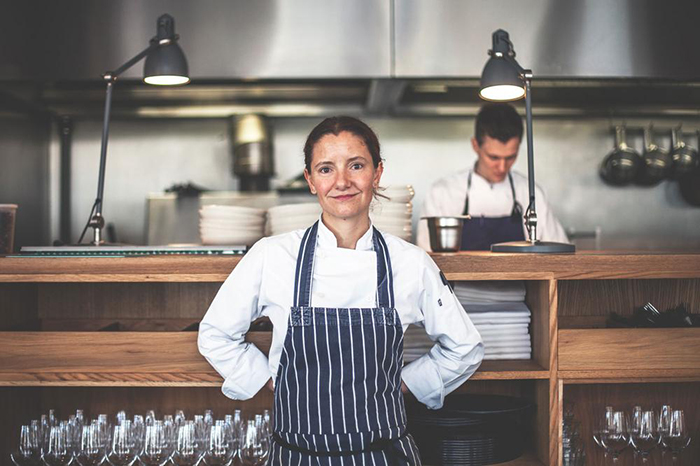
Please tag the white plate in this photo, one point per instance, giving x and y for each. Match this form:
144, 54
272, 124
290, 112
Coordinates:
231, 210
295, 209
246, 238
247, 223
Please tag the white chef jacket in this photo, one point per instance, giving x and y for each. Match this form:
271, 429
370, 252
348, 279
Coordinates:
447, 195
262, 284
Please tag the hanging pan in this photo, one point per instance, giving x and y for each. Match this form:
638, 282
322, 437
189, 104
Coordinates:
620, 166
657, 162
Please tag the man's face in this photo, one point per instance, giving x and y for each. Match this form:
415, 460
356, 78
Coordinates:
495, 158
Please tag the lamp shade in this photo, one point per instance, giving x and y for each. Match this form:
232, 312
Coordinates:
166, 65
501, 81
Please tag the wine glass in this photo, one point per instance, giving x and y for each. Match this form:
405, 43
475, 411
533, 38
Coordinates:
92, 446
58, 453
616, 437
220, 449
644, 434
124, 450
255, 445
29, 452
187, 450
677, 438
157, 448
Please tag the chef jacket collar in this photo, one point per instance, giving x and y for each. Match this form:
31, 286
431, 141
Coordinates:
327, 240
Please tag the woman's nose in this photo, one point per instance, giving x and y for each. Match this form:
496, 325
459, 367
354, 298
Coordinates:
342, 180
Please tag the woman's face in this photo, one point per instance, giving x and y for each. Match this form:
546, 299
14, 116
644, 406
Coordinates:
343, 176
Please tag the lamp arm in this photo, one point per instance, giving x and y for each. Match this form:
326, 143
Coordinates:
531, 212
97, 221
153, 44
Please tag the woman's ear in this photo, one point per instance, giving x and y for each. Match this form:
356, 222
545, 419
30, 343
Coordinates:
309, 182
378, 174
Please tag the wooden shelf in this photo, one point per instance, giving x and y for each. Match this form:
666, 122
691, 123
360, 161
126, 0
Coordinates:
148, 359
633, 354
456, 266
510, 370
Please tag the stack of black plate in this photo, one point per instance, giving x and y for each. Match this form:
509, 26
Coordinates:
471, 430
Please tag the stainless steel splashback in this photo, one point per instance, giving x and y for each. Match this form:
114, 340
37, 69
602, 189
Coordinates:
554, 38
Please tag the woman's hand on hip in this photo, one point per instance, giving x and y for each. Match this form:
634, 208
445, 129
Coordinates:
271, 385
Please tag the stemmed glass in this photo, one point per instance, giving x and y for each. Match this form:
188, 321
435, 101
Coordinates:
615, 438
92, 446
220, 450
677, 438
59, 452
124, 450
29, 453
644, 434
187, 451
157, 448
255, 445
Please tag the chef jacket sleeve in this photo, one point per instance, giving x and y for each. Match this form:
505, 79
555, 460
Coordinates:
458, 351
222, 330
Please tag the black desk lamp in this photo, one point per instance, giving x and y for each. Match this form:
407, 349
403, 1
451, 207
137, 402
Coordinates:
503, 79
165, 65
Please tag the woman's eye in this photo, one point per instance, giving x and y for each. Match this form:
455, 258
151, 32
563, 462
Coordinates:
324, 170
357, 166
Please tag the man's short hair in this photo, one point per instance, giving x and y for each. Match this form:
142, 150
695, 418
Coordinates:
498, 121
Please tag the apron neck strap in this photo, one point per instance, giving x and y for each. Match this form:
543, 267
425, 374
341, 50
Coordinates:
516, 204
305, 263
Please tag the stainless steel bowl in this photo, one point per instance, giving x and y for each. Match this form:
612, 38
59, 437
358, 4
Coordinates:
446, 232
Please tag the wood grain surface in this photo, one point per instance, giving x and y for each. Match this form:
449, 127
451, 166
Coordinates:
629, 349
457, 266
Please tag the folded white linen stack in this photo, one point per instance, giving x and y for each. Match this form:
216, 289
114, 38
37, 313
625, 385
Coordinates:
504, 328
490, 292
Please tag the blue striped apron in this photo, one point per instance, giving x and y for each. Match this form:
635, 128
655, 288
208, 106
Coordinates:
338, 397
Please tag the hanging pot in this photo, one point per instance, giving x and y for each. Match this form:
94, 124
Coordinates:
620, 166
690, 187
685, 157
657, 162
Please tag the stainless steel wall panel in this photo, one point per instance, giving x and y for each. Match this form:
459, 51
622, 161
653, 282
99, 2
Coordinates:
592, 38
81, 39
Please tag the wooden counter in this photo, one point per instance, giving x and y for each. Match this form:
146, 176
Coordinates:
61, 322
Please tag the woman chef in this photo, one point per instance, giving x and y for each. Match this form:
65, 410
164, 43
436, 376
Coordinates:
340, 295
491, 193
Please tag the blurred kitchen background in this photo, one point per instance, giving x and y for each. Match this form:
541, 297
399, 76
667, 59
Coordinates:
410, 68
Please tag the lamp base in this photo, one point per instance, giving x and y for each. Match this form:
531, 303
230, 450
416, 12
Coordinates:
538, 247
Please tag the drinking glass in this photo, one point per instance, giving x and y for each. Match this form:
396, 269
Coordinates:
123, 451
678, 437
220, 450
58, 453
616, 437
157, 448
92, 446
255, 446
29, 452
187, 450
644, 434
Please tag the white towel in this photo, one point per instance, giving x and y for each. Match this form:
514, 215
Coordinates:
498, 341
522, 355
495, 319
489, 331
490, 291
507, 349
510, 308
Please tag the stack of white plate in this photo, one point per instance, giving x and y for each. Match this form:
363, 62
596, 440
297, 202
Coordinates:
290, 217
231, 225
393, 215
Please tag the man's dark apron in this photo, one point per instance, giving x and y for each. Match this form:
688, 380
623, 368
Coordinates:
480, 233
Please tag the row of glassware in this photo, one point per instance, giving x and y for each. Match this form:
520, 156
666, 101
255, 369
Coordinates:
145, 440
643, 430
